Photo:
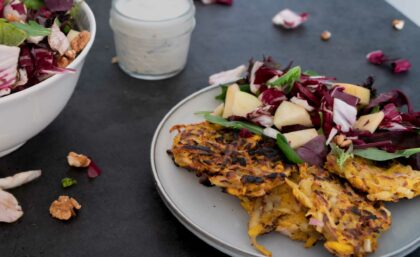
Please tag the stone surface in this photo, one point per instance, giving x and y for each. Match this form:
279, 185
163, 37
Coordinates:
112, 117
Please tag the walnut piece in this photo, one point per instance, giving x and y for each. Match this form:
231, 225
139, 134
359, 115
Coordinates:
326, 35
78, 160
63, 208
80, 41
62, 62
341, 141
398, 24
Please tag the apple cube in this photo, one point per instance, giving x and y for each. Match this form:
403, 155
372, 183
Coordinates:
369, 122
291, 114
230, 97
244, 103
360, 92
218, 111
298, 138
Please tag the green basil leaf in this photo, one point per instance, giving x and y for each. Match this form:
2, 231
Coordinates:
287, 80
68, 182
341, 155
33, 29
288, 151
11, 35
33, 4
244, 88
380, 155
233, 124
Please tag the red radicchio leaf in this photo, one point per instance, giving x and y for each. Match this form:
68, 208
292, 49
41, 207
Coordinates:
245, 133
263, 116
337, 92
224, 2
400, 66
18, 7
392, 118
1, 8
412, 117
93, 170
398, 139
313, 152
44, 64
59, 5
395, 96
376, 57
289, 19
272, 96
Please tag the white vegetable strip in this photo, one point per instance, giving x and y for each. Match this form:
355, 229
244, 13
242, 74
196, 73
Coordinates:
8, 65
10, 210
270, 132
344, 115
19, 179
228, 76
302, 103
254, 88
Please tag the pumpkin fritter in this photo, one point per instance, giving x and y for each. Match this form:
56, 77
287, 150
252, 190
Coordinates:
243, 166
349, 222
278, 211
381, 183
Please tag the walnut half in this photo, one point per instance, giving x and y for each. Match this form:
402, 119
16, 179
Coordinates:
80, 41
63, 208
78, 160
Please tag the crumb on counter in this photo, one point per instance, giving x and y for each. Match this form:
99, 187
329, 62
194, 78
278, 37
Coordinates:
64, 208
78, 160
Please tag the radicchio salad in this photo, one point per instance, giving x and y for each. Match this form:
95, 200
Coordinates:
38, 38
310, 115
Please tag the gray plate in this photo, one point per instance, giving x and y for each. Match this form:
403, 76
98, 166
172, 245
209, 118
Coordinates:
218, 218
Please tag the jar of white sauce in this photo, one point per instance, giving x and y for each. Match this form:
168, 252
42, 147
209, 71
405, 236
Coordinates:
152, 37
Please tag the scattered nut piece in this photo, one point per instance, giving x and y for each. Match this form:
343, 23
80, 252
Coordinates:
71, 54
398, 24
341, 141
63, 208
326, 35
80, 41
114, 60
78, 160
63, 61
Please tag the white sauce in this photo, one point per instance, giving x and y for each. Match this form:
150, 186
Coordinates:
152, 37
152, 10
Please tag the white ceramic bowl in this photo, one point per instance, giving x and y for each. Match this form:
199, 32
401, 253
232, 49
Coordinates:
26, 113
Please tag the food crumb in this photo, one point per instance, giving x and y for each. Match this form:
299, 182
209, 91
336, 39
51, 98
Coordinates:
326, 35
114, 60
64, 207
398, 24
78, 160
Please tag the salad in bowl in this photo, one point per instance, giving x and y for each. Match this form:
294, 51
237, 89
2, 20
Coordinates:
43, 46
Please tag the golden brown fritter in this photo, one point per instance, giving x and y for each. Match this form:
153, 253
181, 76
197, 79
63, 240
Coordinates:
243, 166
349, 222
278, 211
382, 184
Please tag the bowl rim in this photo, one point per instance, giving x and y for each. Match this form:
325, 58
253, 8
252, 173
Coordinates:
50, 81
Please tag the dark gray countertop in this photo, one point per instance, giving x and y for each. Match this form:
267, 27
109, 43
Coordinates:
112, 118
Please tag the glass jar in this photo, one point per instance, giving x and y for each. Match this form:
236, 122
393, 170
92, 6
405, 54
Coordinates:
152, 37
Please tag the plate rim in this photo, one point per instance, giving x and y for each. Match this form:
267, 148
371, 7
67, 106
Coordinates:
214, 241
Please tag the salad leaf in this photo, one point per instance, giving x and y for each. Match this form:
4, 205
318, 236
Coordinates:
34, 4
244, 88
288, 151
11, 35
33, 29
75, 10
311, 73
287, 80
68, 182
380, 155
341, 155
233, 124
59, 5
